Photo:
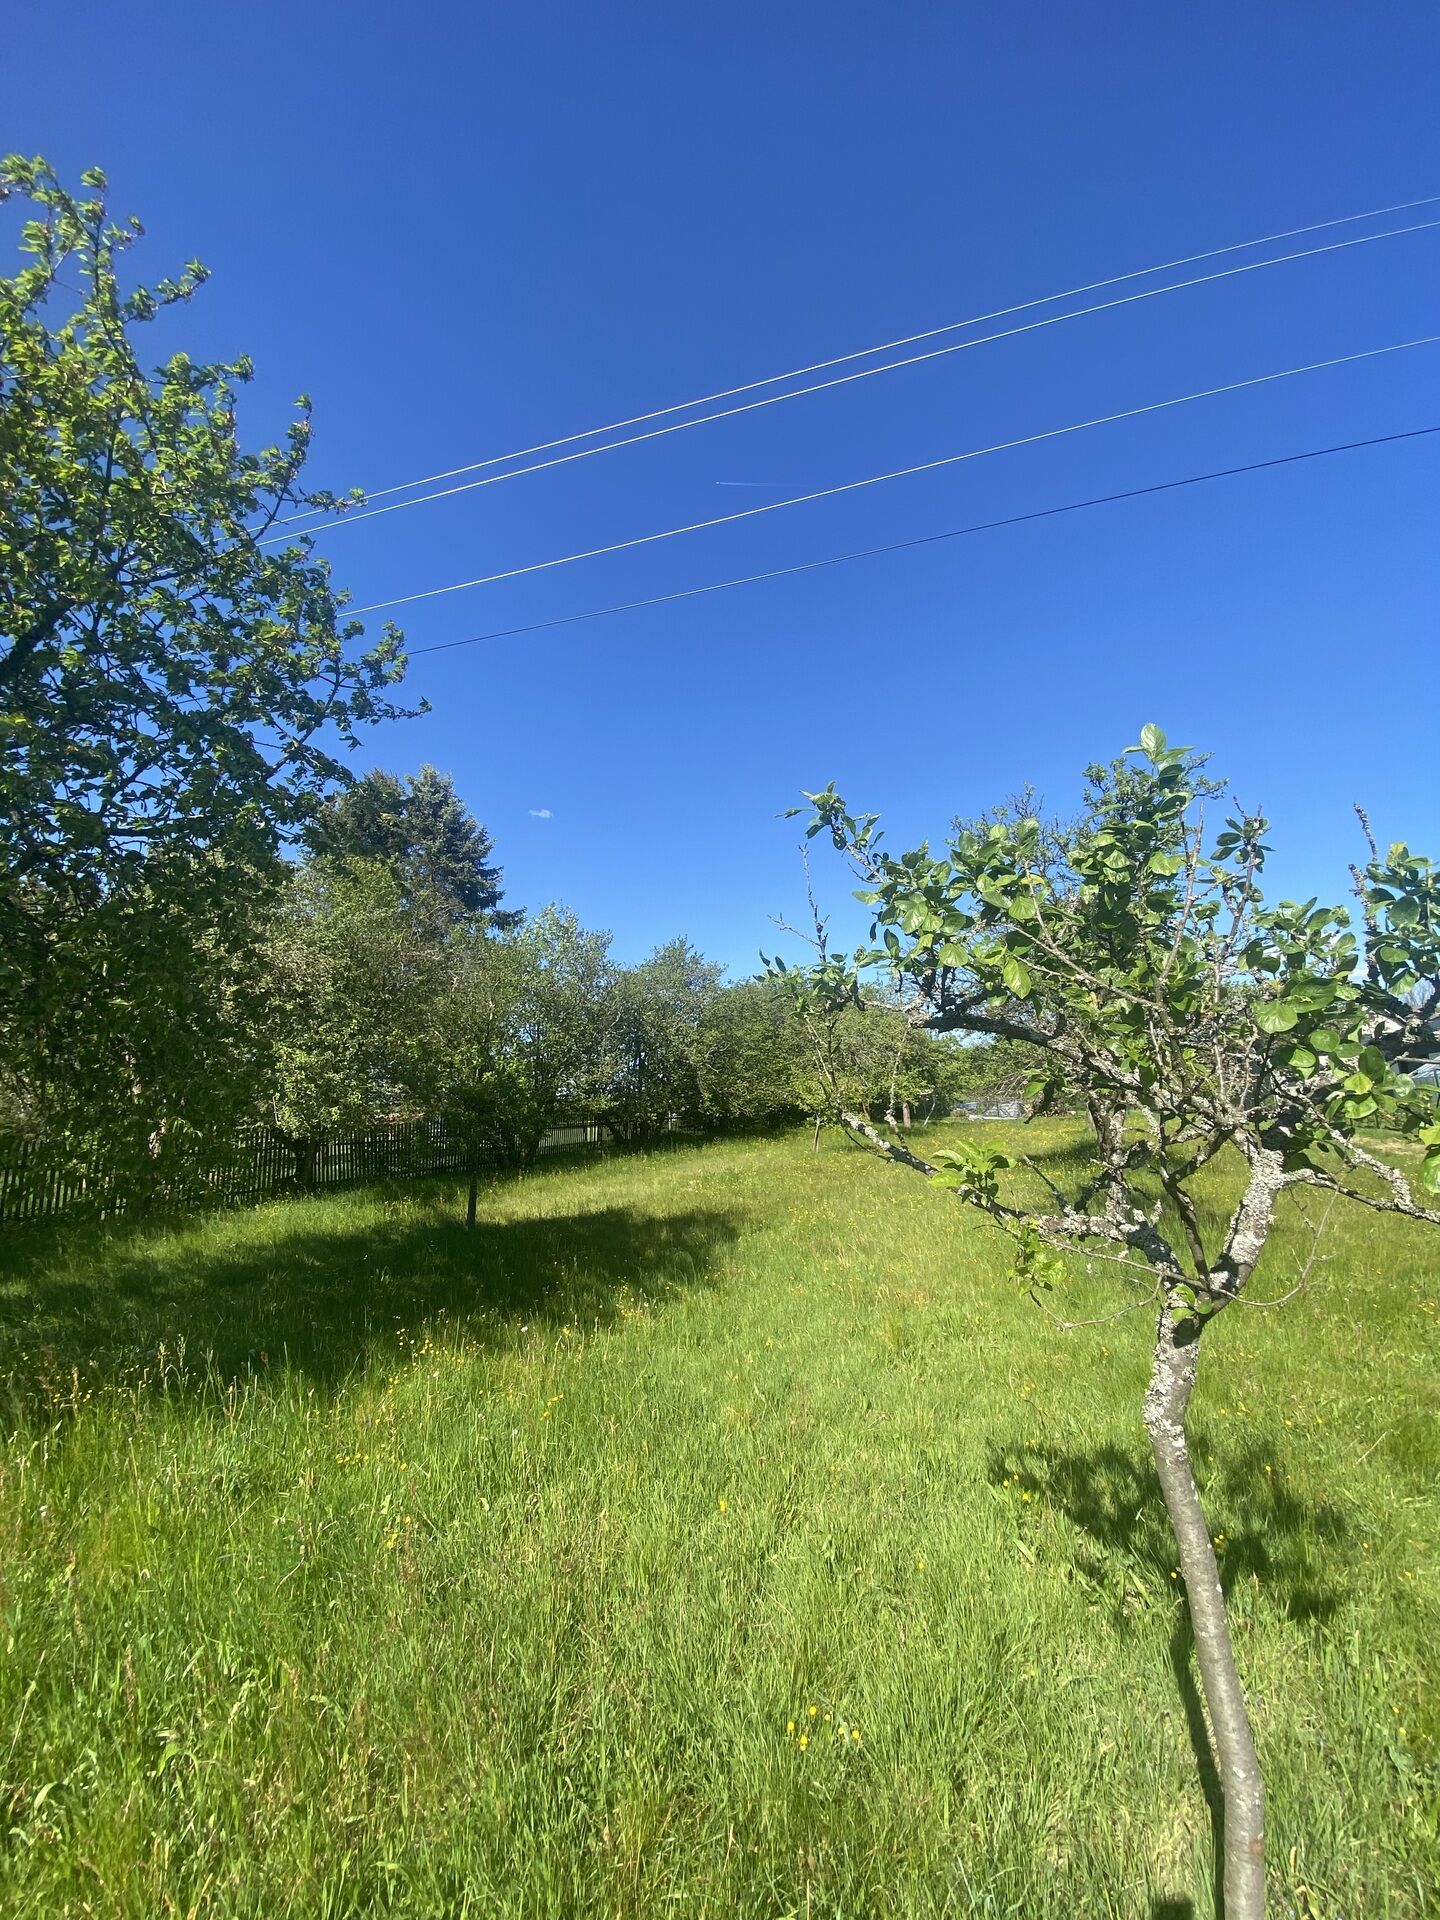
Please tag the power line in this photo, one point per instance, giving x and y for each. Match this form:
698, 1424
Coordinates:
840, 380
923, 540
907, 340
898, 473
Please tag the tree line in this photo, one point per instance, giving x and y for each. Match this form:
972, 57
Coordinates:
379, 976
394, 982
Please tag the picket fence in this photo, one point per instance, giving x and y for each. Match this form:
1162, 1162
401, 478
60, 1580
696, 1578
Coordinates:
261, 1162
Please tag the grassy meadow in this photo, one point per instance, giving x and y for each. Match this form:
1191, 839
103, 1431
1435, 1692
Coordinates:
713, 1532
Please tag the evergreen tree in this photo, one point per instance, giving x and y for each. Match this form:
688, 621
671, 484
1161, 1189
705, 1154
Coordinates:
422, 830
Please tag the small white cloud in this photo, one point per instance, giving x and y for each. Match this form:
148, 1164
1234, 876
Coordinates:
541, 813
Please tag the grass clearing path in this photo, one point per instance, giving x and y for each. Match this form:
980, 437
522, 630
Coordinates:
713, 1533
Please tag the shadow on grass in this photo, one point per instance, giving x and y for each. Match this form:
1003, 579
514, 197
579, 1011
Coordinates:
323, 1297
1112, 1498
1269, 1536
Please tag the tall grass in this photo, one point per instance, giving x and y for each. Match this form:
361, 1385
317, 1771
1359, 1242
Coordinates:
712, 1533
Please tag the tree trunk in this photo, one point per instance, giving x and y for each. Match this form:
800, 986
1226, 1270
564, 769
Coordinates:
306, 1151
1107, 1117
1177, 1353
905, 1115
472, 1194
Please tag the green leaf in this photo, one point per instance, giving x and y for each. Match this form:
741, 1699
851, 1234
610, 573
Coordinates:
1296, 1161
1275, 1016
1310, 995
1016, 976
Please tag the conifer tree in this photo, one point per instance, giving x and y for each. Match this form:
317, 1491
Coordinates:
422, 830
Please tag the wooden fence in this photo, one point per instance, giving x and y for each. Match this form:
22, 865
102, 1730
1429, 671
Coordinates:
261, 1162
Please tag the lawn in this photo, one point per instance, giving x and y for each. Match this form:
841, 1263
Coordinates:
715, 1532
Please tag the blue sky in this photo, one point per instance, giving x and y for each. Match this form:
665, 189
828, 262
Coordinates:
466, 229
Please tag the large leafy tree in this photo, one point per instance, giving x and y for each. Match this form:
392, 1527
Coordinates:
422, 829
755, 1066
470, 1071
141, 1047
750, 1051
353, 978
1140, 961
875, 1063
659, 1017
992, 1070
523, 1035
174, 693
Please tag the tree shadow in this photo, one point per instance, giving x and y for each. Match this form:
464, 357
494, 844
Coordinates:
323, 1298
1197, 1727
1265, 1531
1125, 1550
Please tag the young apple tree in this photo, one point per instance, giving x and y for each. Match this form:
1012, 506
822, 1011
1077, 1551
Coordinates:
1139, 959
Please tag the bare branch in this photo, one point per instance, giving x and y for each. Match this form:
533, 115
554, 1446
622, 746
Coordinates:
1100, 1319
1299, 1286
1378, 1203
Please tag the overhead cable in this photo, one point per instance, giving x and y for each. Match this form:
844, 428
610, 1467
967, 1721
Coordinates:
898, 473
922, 540
351, 518
906, 340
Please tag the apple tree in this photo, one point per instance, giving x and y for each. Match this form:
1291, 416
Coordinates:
1138, 959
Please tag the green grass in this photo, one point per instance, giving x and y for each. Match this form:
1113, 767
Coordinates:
351, 1565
